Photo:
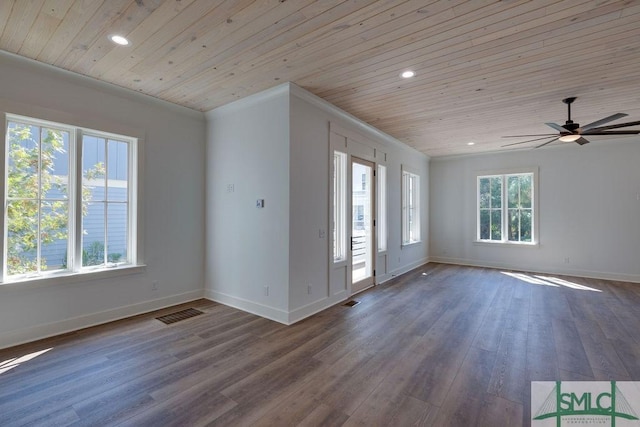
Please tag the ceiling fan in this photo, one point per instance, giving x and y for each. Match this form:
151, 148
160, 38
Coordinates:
573, 132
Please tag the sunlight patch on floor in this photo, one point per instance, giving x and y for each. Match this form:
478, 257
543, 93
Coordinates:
548, 281
9, 364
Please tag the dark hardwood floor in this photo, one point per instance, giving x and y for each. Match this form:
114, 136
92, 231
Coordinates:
442, 345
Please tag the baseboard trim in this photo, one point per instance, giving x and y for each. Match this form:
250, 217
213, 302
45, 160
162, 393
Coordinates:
34, 333
271, 313
561, 271
407, 268
316, 307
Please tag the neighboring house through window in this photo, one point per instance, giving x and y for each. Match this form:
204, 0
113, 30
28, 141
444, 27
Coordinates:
69, 199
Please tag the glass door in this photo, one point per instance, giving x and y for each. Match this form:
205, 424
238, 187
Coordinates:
362, 229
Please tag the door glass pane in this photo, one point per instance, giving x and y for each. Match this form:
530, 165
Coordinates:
362, 241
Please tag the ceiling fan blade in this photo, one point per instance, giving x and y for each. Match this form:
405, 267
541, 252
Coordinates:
612, 132
619, 125
528, 140
582, 141
558, 127
522, 136
548, 142
603, 121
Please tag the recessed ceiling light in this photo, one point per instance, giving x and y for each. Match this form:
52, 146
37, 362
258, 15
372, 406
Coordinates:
471, 143
119, 40
407, 74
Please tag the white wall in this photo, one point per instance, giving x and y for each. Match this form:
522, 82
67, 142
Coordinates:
589, 208
275, 145
172, 210
248, 247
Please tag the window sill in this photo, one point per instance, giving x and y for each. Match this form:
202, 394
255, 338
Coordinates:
75, 277
505, 243
408, 245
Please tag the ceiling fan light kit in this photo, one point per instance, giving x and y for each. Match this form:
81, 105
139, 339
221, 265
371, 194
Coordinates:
573, 132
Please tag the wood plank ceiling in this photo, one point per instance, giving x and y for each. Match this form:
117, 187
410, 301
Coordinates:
483, 68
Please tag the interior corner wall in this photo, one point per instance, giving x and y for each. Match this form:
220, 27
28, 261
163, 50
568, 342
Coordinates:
247, 256
172, 209
589, 205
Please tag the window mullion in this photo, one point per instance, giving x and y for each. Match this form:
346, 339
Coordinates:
76, 206
38, 202
504, 203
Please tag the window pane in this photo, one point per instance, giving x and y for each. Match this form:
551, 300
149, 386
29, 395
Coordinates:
22, 236
117, 171
485, 224
514, 225
525, 190
23, 159
496, 192
496, 225
525, 225
54, 235
485, 193
117, 232
54, 178
513, 189
93, 225
93, 168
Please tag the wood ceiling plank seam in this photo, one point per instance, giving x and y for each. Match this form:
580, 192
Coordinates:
203, 34
5, 14
72, 23
23, 15
319, 24
141, 33
471, 110
405, 48
310, 65
424, 60
48, 21
160, 39
430, 58
106, 14
353, 41
439, 17
450, 71
393, 112
425, 38
343, 29
246, 36
572, 14
122, 24
215, 83
32, 45
511, 78
473, 73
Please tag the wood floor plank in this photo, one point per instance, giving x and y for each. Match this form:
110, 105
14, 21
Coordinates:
441, 345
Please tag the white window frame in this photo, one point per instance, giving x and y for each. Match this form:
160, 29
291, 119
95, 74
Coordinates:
410, 203
74, 246
504, 175
339, 214
381, 221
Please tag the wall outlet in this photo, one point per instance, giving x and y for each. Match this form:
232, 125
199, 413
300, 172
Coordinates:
266, 291
309, 286
567, 260
154, 285
321, 233
230, 188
